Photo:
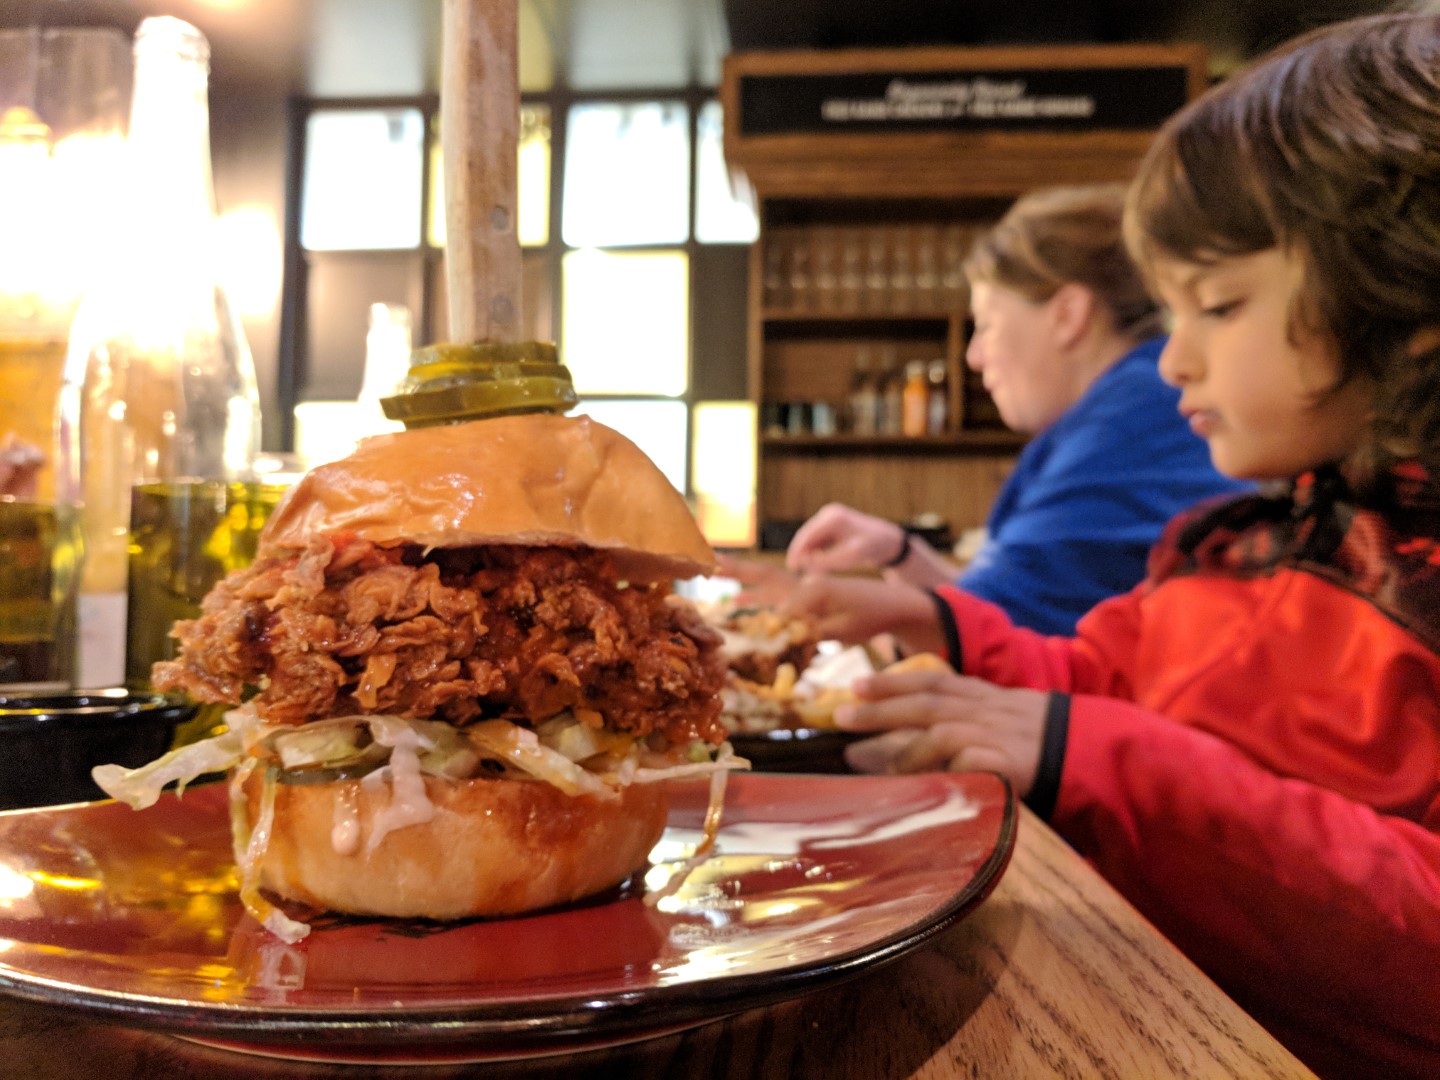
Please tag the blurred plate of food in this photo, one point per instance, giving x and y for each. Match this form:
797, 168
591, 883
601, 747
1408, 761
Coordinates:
784, 685
786, 722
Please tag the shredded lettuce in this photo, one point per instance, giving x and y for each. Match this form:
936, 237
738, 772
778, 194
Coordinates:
347, 741
564, 751
523, 749
317, 745
261, 910
140, 787
575, 757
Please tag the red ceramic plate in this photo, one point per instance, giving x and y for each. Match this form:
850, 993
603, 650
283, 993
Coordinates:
134, 916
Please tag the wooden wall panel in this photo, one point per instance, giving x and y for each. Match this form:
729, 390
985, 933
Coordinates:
959, 489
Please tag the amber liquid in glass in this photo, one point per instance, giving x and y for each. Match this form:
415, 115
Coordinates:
184, 537
39, 556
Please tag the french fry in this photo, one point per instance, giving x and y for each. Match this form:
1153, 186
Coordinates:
925, 661
784, 684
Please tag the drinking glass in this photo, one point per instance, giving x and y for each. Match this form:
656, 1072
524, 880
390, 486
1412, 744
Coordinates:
39, 557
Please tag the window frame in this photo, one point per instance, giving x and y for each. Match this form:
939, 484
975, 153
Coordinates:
299, 262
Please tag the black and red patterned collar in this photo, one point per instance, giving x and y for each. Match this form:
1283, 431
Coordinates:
1390, 556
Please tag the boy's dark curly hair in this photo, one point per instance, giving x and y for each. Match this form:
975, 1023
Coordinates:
1328, 147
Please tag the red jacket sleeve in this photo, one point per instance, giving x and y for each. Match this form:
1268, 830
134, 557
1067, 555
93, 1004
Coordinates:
1317, 914
1097, 661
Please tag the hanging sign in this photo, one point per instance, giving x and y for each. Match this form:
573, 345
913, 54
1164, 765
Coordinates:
1000, 99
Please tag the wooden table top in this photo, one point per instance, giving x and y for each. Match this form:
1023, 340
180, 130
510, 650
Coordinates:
1054, 975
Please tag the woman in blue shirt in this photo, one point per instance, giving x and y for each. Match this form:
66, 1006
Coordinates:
1066, 340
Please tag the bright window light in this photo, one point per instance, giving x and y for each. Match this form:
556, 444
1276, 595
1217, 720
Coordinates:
656, 427
720, 218
625, 325
627, 174
724, 450
362, 179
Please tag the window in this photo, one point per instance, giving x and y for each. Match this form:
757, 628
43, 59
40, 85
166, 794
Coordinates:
627, 174
362, 180
635, 268
625, 323
720, 217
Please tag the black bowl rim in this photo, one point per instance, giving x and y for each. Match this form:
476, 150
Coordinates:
88, 708
797, 735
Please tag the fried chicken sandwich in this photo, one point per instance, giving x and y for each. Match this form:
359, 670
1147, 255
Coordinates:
464, 675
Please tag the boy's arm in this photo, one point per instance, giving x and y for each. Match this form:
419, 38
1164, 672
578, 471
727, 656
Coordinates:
1316, 912
985, 643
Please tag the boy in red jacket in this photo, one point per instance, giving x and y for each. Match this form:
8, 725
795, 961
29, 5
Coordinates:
1248, 744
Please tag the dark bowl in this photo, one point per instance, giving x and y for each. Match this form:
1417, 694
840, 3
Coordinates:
796, 750
51, 741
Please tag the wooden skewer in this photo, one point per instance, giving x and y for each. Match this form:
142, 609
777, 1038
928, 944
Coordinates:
479, 131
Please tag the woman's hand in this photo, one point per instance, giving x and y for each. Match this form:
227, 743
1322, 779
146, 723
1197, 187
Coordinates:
941, 720
838, 537
762, 584
854, 610
848, 609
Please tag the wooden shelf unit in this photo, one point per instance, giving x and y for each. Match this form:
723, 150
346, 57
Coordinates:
873, 172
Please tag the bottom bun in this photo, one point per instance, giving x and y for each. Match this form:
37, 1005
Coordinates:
493, 847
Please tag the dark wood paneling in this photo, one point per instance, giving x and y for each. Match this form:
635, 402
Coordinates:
717, 327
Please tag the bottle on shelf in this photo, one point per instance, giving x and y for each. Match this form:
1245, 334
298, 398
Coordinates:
822, 418
864, 397
914, 399
775, 283
159, 385
901, 292
852, 272
937, 402
824, 258
892, 395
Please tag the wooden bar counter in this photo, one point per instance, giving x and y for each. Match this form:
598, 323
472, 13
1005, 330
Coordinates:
1054, 975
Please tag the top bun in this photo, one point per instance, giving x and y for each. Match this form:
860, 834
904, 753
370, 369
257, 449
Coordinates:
536, 479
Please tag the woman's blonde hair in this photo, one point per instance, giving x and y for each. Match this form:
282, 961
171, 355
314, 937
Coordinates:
1328, 148
1070, 235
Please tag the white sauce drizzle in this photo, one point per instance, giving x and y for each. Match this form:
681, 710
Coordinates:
345, 835
408, 805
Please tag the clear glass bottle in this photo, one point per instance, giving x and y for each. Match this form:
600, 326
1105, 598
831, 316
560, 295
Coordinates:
892, 393
937, 406
159, 383
864, 397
